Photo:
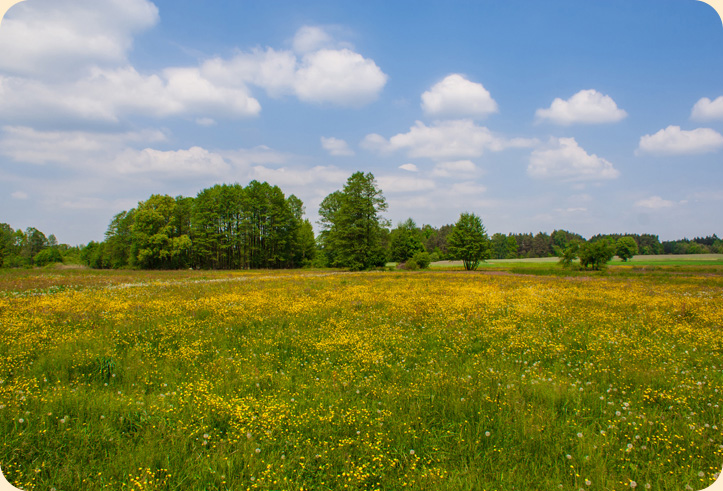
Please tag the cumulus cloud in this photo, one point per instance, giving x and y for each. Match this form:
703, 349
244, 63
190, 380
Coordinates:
455, 139
336, 147
340, 77
60, 38
108, 89
409, 167
587, 107
336, 76
706, 110
268, 68
565, 160
453, 169
654, 203
180, 164
456, 96
674, 141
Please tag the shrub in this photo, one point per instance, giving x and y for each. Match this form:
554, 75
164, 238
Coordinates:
422, 259
411, 265
48, 256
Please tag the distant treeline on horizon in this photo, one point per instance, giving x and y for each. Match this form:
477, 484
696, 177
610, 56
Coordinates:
258, 227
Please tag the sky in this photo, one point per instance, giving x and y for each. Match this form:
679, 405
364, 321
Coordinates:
589, 116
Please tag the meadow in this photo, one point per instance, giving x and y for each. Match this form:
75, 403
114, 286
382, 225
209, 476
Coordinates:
326, 380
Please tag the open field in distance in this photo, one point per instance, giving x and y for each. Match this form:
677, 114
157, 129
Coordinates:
324, 380
660, 259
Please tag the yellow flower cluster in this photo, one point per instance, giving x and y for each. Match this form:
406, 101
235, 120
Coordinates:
316, 380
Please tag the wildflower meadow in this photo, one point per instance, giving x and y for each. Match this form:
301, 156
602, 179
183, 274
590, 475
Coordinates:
321, 380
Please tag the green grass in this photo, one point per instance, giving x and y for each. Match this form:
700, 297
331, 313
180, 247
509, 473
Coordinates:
550, 265
323, 380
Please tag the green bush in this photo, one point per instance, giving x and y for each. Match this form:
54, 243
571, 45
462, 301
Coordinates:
48, 256
422, 259
411, 265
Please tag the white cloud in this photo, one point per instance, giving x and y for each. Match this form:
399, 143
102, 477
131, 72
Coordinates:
21, 195
110, 89
587, 106
705, 109
456, 139
672, 140
108, 95
127, 159
340, 77
404, 184
458, 97
181, 164
60, 38
453, 169
409, 167
311, 38
336, 147
654, 203
74, 148
565, 160
189, 91
274, 71
336, 76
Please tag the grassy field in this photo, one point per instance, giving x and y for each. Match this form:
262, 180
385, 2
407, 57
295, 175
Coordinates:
322, 380
654, 260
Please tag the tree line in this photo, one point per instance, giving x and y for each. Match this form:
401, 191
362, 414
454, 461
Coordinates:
223, 227
229, 226
28, 248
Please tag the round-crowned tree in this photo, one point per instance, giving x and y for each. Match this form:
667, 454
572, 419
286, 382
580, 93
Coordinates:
468, 241
626, 248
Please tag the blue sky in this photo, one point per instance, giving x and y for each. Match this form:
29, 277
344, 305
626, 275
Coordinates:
595, 117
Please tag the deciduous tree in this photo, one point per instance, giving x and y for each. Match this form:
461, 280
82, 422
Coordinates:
596, 254
468, 241
626, 248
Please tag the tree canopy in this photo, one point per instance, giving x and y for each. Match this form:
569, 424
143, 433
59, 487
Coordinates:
223, 227
626, 248
352, 224
468, 241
